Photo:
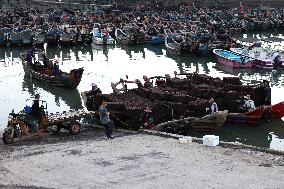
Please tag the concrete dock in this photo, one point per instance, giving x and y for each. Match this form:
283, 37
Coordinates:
132, 160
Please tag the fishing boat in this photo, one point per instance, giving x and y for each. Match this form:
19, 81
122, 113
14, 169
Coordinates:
180, 44
27, 37
263, 25
264, 57
85, 36
155, 40
207, 123
46, 75
66, 39
233, 59
99, 38
153, 37
129, 35
39, 38
253, 118
52, 36
278, 111
13, 38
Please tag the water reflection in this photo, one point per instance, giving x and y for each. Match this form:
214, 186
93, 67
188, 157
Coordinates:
71, 97
134, 51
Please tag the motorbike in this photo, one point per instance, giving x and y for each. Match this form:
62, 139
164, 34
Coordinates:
24, 124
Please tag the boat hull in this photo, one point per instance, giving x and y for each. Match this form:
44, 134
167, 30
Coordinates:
232, 59
233, 64
100, 41
249, 118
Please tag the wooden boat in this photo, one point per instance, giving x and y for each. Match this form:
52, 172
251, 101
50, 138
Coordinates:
155, 40
233, 59
99, 38
46, 75
129, 36
85, 35
263, 25
39, 38
278, 111
253, 118
209, 123
264, 57
27, 37
14, 38
52, 37
181, 44
249, 118
154, 37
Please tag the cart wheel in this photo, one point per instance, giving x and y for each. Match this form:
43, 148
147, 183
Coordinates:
74, 128
7, 137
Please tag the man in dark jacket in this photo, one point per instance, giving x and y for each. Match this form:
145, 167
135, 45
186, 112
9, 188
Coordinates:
30, 56
267, 91
95, 90
104, 118
35, 107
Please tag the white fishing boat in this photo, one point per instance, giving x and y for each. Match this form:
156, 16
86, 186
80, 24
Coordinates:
265, 58
101, 38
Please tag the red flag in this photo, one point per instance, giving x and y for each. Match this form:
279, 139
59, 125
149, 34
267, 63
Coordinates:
241, 7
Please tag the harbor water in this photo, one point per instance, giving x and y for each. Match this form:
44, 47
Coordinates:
104, 65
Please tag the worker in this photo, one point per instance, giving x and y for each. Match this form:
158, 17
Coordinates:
267, 92
147, 119
30, 56
105, 120
213, 106
95, 90
248, 106
147, 82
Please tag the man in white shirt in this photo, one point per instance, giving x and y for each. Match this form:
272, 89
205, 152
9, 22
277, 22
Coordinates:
249, 104
213, 108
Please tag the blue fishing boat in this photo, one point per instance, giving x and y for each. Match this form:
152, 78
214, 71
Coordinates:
155, 40
204, 49
232, 59
14, 39
263, 25
154, 37
53, 36
100, 38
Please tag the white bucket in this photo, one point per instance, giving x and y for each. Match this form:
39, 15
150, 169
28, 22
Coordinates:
210, 140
